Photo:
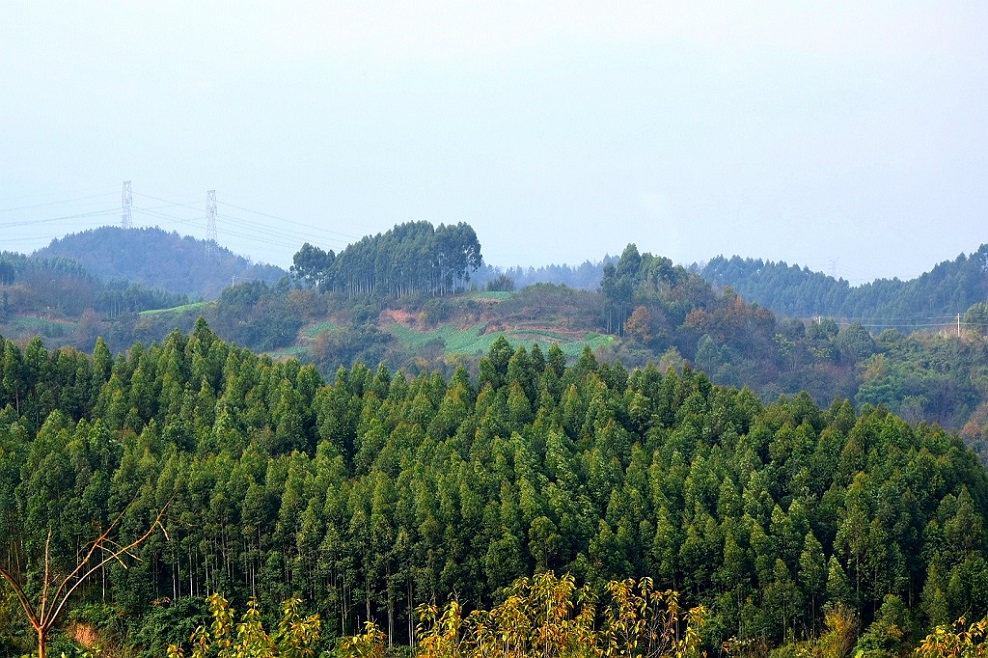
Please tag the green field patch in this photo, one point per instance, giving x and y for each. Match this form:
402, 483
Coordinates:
540, 335
32, 325
473, 339
176, 309
312, 331
591, 338
497, 295
571, 344
283, 353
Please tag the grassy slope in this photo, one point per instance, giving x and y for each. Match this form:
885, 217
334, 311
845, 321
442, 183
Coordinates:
177, 309
25, 326
475, 340
462, 334
473, 322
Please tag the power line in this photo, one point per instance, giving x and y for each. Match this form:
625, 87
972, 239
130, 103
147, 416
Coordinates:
104, 191
172, 219
26, 239
268, 229
942, 322
889, 325
265, 231
271, 240
275, 238
32, 222
166, 206
284, 232
57, 203
264, 214
170, 203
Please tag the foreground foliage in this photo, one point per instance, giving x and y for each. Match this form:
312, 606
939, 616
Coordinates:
957, 640
294, 636
543, 616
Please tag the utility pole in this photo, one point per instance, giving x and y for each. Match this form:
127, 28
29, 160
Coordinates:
958, 325
211, 221
126, 202
211, 217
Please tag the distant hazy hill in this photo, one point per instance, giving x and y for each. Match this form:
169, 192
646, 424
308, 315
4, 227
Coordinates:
935, 297
156, 258
586, 276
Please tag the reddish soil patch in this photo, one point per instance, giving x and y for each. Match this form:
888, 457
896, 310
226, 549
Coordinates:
404, 318
84, 634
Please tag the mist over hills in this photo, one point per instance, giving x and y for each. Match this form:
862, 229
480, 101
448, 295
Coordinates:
156, 258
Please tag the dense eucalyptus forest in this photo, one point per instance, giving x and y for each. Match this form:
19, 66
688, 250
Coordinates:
379, 491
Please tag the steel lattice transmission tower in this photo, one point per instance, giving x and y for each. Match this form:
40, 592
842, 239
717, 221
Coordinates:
126, 202
211, 219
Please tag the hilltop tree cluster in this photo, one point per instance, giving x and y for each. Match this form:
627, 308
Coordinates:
411, 259
376, 492
635, 280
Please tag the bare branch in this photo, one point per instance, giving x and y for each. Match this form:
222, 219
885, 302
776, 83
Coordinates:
43, 618
21, 596
97, 545
114, 555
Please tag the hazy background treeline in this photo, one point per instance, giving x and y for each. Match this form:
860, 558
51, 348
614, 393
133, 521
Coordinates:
63, 288
154, 258
932, 299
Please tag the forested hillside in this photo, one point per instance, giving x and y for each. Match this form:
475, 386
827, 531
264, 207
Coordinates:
416, 299
933, 299
62, 288
155, 258
381, 491
646, 310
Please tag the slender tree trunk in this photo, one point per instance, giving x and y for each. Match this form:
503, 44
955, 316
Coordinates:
411, 615
391, 608
342, 613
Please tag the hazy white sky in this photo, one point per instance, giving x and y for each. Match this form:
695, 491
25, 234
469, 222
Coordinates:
851, 137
